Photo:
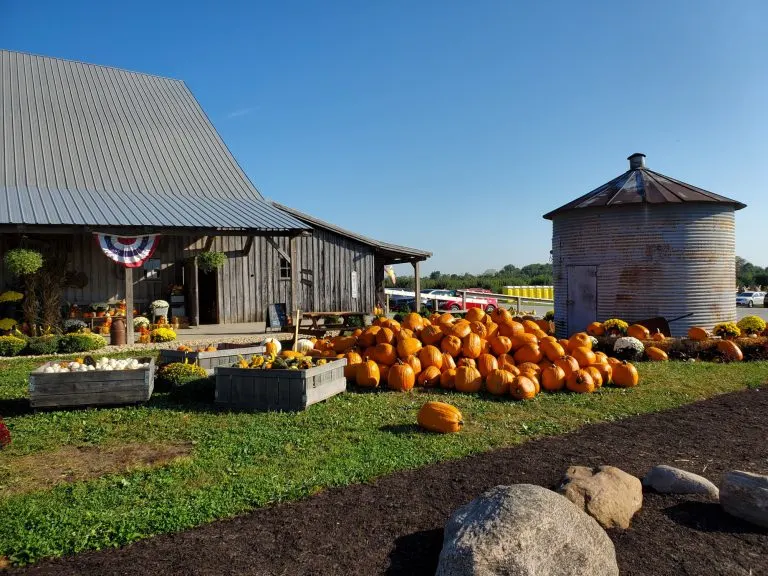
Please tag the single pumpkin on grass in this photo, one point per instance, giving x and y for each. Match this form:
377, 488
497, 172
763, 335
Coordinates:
440, 417
656, 354
468, 379
429, 377
368, 374
730, 351
401, 377
497, 382
580, 381
522, 388
625, 375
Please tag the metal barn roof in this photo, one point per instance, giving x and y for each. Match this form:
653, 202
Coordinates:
392, 251
639, 185
82, 144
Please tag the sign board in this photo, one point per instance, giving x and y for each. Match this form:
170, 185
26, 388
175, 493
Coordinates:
278, 316
354, 284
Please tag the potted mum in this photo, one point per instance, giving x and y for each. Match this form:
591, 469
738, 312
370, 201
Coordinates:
160, 308
100, 309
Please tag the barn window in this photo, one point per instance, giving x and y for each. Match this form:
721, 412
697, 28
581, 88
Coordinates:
285, 269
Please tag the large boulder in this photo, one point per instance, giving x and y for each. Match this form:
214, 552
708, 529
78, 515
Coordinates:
669, 480
523, 530
745, 495
608, 494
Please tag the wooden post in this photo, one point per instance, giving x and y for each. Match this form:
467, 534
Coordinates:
129, 306
296, 330
463, 300
294, 274
417, 287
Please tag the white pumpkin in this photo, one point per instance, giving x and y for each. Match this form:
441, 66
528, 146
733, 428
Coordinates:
276, 341
304, 345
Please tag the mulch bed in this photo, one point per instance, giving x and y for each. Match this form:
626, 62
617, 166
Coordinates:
394, 525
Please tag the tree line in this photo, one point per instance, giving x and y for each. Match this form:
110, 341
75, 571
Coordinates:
747, 274
493, 280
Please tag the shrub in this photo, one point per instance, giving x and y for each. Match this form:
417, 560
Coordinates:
162, 335
80, 343
178, 373
188, 382
751, 324
209, 261
48, 344
11, 345
7, 324
549, 316
73, 325
21, 262
726, 330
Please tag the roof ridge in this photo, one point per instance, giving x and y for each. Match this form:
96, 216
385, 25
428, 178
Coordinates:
74, 61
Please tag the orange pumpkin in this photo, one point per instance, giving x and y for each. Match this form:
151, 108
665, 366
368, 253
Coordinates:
448, 362
522, 388
656, 354
569, 364
472, 345
461, 329
431, 335
577, 340
501, 315
343, 343
597, 376
413, 321
475, 315
451, 345
658, 336
368, 374
580, 381
487, 363
466, 362
353, 360
408, 347
596, 329
522, 340
533, 377
403, 334
430, 356
385, 336
564, 343
552, 350
414, 363
368, 337
383, 373
601, 358
384, 354
500, 344
492, 330
510, 329
606, 371
497, 382
584, 356
478, 328
613, 361
625, 375
401, 377
638, 331
429, 377
730, 351
528, 353
530, 326
553, 378
448, 379
696, 333
506, 361
545, 326
468, 379
440, 417
529, 367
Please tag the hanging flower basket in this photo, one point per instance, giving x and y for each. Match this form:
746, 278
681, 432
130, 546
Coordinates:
209, 261
23, 262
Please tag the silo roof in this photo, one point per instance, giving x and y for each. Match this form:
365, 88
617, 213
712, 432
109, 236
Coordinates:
640, 185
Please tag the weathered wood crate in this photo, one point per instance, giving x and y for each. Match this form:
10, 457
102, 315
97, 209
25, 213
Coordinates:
226, 355
91, 388
286, 390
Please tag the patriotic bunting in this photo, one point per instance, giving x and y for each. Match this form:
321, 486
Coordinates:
131, 252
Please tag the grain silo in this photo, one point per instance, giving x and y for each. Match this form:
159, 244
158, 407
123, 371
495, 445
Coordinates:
641, 246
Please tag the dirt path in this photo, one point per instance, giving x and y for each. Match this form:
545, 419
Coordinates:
394, 525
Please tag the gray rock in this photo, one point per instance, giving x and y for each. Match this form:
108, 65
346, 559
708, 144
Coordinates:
745, 495
608, 494
523, 530
669, 480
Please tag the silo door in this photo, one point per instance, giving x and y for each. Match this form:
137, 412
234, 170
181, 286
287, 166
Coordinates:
582, 297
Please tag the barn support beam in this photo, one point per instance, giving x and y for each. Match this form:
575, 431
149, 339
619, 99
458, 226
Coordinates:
279, 250
294, 261
129, 306
248, 245
417, 287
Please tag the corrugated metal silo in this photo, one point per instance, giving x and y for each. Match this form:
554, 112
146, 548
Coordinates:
644, 245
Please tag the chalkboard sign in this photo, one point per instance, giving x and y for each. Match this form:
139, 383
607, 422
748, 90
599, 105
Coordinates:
278, 317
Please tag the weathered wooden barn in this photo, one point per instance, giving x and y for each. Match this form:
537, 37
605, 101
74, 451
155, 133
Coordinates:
87, 148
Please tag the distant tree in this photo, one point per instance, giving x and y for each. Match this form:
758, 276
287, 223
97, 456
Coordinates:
435, 275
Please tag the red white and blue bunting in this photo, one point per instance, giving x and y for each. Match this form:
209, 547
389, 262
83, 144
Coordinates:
130, 252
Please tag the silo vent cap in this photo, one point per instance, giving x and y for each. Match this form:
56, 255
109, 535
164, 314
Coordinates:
637, 160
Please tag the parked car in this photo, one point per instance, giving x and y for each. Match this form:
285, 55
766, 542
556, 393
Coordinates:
765, 300
749, 299
455, 300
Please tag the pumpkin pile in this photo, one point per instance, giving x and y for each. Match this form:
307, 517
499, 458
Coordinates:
496, 352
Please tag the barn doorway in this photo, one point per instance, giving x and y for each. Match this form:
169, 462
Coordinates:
582, 297
208, 296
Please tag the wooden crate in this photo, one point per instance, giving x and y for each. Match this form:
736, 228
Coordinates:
226, 355
286, 390
91, 388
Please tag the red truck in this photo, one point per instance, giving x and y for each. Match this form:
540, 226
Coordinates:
454, 301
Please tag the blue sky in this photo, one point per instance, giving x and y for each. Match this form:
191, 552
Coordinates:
445, 125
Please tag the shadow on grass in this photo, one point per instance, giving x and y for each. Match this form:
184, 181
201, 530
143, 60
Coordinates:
416, 553
15, 407
401, 429
709, 517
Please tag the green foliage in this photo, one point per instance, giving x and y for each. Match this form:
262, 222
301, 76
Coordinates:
11, 345
178, 373
209, 261
751, 324
549, 316
332, 320
509, 275
48, 344
22, 262
162, 335
747, 274
70, 343
241, 461
615, 324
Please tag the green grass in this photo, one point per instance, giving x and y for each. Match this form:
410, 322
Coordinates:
241, 461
